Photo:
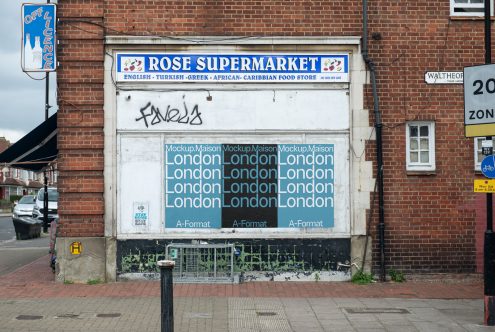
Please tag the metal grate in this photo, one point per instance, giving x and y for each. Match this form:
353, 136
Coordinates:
199, 262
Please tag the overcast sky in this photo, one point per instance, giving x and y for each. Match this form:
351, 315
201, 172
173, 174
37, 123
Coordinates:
22, 99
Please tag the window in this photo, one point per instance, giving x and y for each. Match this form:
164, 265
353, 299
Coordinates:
469, 7
420, 146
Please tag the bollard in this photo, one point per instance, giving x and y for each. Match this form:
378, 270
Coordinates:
167, 295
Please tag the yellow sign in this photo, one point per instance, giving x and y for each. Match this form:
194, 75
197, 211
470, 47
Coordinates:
76, 248
480, 130
484, 186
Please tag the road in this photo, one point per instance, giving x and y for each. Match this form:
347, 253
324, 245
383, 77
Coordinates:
16, 253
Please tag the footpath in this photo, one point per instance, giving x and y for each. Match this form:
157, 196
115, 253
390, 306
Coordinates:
30, 300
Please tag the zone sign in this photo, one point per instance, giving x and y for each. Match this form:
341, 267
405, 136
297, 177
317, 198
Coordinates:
479, 100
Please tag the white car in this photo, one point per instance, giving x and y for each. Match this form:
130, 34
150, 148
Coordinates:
24, 208
52, 204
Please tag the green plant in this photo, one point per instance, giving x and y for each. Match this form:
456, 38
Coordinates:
317, 276
15, 198
94, 281
362, 278
396, 276
68, 282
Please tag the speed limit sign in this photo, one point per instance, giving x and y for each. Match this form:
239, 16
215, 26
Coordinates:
479, 100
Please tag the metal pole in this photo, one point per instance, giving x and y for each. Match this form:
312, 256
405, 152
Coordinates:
45, 200
167, 295
489, 243
45, 178
45, 204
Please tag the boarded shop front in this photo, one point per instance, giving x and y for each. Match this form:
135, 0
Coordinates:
250, 149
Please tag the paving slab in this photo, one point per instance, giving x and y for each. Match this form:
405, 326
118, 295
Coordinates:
30, 300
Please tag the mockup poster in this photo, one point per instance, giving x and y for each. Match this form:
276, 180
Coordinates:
249, 185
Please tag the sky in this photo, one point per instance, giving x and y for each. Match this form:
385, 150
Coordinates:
23, 99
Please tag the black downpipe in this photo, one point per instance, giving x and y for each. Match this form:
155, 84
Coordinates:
379, 147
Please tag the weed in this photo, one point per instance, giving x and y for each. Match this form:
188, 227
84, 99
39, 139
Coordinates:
94, 281
362, 278
317, 276
68, 282
396, 276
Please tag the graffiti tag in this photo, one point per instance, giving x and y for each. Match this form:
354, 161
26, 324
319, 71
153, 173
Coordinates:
152, 115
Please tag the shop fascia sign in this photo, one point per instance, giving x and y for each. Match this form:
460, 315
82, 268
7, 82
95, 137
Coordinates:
39, 37
236, 68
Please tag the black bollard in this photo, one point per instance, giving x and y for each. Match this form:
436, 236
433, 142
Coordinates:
167, 295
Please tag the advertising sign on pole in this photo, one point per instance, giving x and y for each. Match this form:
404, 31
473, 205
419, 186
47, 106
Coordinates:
39, 37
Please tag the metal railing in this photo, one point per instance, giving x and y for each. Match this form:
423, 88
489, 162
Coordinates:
199, 262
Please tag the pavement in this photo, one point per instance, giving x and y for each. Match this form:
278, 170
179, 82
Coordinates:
30, 300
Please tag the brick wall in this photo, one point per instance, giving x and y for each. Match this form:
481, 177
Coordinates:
80, 117
431, 219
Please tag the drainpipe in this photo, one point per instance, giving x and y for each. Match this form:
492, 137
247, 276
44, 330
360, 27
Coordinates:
378, 131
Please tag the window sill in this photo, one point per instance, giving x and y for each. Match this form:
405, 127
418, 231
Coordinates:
470, 18
421, 173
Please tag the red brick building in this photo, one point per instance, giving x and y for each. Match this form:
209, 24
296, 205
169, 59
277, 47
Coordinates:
114, 143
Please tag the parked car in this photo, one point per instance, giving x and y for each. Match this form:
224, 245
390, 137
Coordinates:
52, 204
24, 207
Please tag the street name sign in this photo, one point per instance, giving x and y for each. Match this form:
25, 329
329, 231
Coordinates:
479, 100
444, 77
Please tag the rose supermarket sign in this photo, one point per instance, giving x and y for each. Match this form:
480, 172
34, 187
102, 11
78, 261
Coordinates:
247, 68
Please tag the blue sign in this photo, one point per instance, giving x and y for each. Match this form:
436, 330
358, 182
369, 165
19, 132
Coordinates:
39, 37
249, 185
193, 185
247, 68
488, 167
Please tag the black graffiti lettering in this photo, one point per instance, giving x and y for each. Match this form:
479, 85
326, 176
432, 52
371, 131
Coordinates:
144, 116
172, 114
181, 120
158, 116
196, 120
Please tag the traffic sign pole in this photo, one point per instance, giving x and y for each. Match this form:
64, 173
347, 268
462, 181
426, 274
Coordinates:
489, 243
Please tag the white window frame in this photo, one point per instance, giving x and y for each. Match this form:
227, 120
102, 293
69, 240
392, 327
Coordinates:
477, 151
469, 5
419, 166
